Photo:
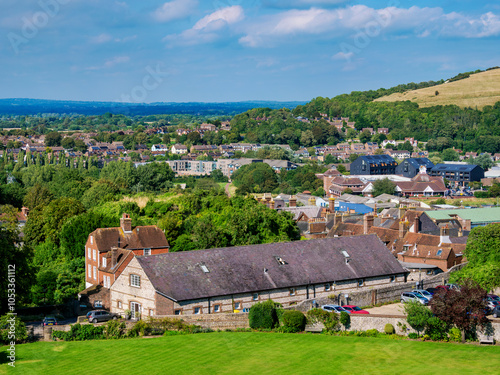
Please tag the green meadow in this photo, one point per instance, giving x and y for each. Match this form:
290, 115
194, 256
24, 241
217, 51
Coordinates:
252, 353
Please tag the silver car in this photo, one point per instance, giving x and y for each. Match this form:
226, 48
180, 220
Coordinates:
413, 297
334, 308
424, 293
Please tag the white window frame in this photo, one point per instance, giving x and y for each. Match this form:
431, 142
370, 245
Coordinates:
94, 254
119, 304
91, 239
98, 304
328, 287
135, 280
147, 251
95, 272
89, 271
89, 252
197, 310
293, 291
104, 262
216, 308
255, 296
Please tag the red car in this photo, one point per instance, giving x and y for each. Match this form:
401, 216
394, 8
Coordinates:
355, 309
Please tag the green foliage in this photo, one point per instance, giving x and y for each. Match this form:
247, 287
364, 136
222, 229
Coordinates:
454, 335
255, 178
330, 320
345, 319
389, 329
384, 186
12, 329
413, 335
115, 329
417, 315
263, 315
483, 258
436, 329
80, 332
293, 320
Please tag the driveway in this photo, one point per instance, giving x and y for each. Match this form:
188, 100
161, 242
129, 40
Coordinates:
393, 309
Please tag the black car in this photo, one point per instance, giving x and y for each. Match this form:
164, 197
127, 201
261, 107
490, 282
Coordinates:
101, 316
432, 290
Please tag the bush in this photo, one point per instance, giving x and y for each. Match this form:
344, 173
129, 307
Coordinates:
329, 319
389, 329
79, 332
141, 328
455, 335
481, 194
12, 328
436, 329
413, 335
345, 319
115, 329
294, 321
372, 333
263, 315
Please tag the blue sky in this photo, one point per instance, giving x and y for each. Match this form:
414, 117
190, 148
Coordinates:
234, 50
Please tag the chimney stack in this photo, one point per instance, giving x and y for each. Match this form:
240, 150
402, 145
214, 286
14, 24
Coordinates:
416, 224
312, 201
367, 223
402, 228
331, 204
126, 223
113, 256
293, 201
271, 204
401, 212
25, 211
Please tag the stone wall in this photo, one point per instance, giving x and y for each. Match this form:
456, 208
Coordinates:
215, 321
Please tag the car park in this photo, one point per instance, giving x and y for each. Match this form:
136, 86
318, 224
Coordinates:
334, 308
101, 316
413, 297
354, 309
49, 321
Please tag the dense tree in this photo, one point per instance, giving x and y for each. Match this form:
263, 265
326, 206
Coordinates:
53, 139
255, 178
464, 308
383, 186
417, 315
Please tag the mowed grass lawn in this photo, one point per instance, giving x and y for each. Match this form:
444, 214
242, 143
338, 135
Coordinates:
253, 353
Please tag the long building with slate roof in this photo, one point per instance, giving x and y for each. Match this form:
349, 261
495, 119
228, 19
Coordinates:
373, 165
460, 174
234, 278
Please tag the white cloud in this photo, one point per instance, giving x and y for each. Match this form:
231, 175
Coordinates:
206, 29
110, 63
174, 10
343, 56
103, 38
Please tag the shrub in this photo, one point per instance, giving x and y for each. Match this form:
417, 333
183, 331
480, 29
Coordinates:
329, 319
79, 332
294, 321
413, 335
455, 335
372, 333
141, 328
481, 194
389, 329
417, 315
436, 329
263, 315
114, 329
345, 319
11, 326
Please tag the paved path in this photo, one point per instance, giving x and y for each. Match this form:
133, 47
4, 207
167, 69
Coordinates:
394, 309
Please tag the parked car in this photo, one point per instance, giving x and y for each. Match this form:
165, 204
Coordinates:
443, 287
101, 316
432, 290
496, 312
334, 308
413, 297
49, 321
493, 304
493, 297
354, 309
424, 293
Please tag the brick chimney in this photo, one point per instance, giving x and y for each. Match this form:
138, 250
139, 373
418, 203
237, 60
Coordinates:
367, 223
401, 212
312, 201
316, 225
416, 224
126, 223
444, 236
293, 201
331, 204
114, 251
402, 228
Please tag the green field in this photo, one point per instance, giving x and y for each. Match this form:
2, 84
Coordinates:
253, 353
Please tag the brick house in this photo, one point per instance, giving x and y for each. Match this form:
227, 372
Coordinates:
227, 279
109, 250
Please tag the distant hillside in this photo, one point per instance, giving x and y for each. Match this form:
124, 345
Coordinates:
40, 106
478, 90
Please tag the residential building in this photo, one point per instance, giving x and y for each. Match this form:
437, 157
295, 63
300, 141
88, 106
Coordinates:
458, 174
410, 167
227, 279
373, 164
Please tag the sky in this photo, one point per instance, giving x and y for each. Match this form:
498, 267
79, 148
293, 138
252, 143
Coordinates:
237, 50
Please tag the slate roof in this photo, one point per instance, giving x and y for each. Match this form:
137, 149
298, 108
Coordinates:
180, 276
142, 237
309, 211
417, 162
454, 167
